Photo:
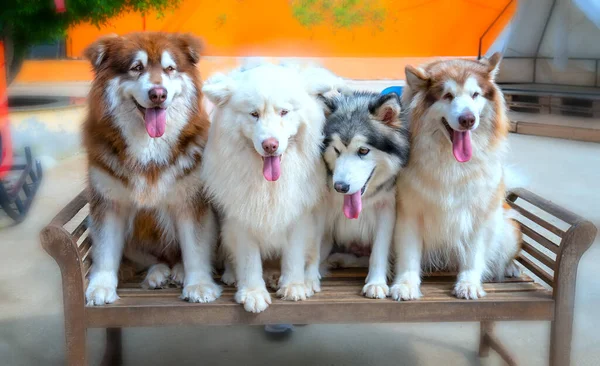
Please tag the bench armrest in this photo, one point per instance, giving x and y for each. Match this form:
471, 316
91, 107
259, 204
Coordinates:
574, 242
63, 247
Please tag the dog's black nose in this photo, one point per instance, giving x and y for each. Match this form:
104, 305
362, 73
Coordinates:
466, 120
341, 187
157, 94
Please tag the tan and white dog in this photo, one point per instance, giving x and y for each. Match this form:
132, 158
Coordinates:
264, 173
450, 212
145, 135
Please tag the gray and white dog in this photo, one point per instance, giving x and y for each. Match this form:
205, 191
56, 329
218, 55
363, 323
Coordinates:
365, 147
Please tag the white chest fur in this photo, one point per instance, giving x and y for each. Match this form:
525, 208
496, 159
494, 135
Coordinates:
167, 183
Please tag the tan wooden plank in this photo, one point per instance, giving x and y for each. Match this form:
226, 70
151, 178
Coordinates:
130, 312
538, 220
565, 132
85, 248
87, 265
80, 229
71, 209
359, 282
543, 241
536, 270
341, 293
546, 205
537, 254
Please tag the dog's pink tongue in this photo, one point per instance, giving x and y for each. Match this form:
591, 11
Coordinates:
353, 205
461, 146
272, 168
156, 121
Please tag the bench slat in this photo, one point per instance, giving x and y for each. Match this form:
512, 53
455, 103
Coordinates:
140, 311
536, 270
538, 220
85, 248
80, 229
526, 230
537, 254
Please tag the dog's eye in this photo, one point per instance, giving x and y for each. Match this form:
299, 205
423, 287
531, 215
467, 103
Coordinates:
170, 69
336, 151
254, 114
475, 95
283, 112
137, 68
363, 151
448, 96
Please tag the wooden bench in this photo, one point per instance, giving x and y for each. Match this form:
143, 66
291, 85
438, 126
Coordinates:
555, 239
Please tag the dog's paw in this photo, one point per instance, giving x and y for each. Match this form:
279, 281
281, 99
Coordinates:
158, 276
313, 285
512, 270
202, 292
293, 292
102, 289
405, 291
254, 300
228, 278
177, 275
376, 290
468, 290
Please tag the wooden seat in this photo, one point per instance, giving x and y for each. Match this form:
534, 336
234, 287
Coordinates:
554, 241
340, 301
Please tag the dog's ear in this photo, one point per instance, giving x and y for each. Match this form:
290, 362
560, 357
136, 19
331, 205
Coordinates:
218, 89
493, 64
320, 81
191, 45
386, 109
416, 77
99, 51
329, 104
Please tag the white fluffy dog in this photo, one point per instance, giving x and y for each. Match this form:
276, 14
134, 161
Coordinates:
264, 173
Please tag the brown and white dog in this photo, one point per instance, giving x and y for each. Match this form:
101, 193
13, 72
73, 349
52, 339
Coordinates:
450, 212
145, 135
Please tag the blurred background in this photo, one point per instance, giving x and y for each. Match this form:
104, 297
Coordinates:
550, 75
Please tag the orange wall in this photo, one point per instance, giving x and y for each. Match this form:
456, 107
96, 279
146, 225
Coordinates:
410, 28
363, 68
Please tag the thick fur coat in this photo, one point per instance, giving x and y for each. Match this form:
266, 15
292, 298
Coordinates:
145, 135
366, 146
264, 173
450, 211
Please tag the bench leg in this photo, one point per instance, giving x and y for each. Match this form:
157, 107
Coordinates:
484, 345
113, 354
76, 334
560, 338
488, 340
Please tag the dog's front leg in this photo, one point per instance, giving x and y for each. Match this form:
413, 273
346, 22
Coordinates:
198, 239
314, 255
245, 254
471, 267
293, 259
408, 244
376, 282
107, 229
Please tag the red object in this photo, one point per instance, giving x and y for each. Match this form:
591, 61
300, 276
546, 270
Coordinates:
60, 6
6, 150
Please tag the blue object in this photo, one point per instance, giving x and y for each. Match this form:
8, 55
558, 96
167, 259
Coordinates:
393, 89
